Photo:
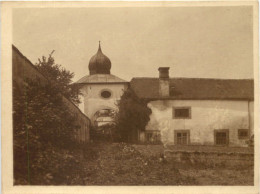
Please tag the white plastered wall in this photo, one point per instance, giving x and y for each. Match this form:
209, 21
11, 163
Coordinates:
206, 116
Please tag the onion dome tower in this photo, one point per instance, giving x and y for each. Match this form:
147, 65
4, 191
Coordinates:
99, 63
101, 90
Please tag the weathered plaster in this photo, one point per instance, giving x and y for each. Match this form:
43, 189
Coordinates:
206, 116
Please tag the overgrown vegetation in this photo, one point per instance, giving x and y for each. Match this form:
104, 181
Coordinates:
133, 115
43, 127
41, 124
128, 164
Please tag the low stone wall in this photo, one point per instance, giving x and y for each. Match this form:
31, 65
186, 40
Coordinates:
211, 158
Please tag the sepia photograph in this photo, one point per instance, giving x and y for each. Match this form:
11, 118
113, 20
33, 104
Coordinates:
148, 94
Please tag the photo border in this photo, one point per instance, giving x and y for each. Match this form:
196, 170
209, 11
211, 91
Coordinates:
6, 79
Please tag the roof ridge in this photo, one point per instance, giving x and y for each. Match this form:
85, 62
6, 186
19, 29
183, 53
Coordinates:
145, 78
171, 78
210, 78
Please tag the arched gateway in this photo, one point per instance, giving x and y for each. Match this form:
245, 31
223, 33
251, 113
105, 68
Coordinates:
104, 117
101, 90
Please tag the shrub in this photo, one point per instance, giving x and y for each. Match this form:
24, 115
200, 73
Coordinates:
40, 121
133, 115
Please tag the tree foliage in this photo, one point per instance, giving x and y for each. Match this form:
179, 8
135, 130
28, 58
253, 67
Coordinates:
43, 126
40, 121
133, 115
61, 77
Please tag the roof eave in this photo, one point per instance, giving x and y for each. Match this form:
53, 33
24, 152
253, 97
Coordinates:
179, 98
101, 83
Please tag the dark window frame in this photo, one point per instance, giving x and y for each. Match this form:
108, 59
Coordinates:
239, 133
181, 131
106, 90
178, 108
221, 131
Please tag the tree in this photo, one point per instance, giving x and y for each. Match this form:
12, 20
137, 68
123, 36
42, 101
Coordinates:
61, 77
133, 115
41, 121
43, 125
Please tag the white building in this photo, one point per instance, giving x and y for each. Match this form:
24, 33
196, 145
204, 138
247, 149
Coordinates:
101, 90
191, 111
197, 111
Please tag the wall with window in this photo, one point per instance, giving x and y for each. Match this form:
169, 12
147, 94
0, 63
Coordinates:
101, 96
201, 121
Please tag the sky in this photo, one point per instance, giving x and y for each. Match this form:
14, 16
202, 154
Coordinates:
197, 42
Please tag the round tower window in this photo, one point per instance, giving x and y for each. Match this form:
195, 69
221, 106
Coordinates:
106, 94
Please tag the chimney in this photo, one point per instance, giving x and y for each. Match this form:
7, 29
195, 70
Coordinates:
164, 72
164, 82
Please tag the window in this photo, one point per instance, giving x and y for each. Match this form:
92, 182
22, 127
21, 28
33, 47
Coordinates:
243, 133
106, 94
153, 136
182, 137
221, 137
181, 112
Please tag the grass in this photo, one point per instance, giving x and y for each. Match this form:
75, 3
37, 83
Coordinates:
125, 164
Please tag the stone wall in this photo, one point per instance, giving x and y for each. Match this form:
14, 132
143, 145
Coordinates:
209, 159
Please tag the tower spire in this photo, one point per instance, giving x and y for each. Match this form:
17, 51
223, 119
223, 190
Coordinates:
99, 63
99, 46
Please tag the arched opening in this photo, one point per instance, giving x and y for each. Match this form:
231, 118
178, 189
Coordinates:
104, 119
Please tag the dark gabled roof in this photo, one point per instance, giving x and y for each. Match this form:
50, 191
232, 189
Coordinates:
196, 88
145, 87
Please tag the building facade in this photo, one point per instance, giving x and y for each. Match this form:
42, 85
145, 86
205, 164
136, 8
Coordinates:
185, 111
193, 111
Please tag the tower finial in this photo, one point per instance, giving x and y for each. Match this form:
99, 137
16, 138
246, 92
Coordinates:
99, 47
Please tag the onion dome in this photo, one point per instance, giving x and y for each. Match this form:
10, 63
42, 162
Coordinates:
99, 63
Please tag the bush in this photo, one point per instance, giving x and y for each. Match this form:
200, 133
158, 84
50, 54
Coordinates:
133, 115
40, 122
